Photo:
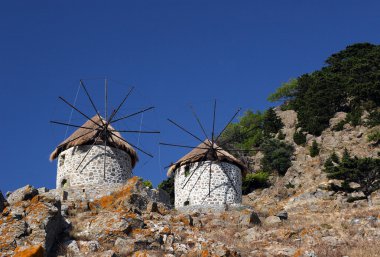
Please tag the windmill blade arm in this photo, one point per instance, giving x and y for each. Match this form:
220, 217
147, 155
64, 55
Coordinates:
138, 131
199, 122
120, 105
184, 146
236, 137
186, 182
213, 124
72, 106
231, 182
132, 145
70, 125
133, 114
229, 122
89, 150
89, 97
182, 128
85, 134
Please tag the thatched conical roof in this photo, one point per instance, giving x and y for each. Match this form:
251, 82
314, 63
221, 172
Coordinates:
201, 154
86, 136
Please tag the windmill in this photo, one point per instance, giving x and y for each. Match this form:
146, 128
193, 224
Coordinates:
207, 150
100, 131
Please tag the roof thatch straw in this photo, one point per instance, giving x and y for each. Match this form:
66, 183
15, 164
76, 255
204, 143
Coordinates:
201, 153
89, 133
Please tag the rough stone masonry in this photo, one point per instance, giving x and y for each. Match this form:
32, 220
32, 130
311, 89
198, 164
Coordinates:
192, 185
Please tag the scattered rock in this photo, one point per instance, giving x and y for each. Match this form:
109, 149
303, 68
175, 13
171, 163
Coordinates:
30, 251
108, 253
283, 215
152, 207
42, 190
72, 248
25, 193
354, 185
250, 235
124, 246
249, 219
338, 117
88, 246
272, 220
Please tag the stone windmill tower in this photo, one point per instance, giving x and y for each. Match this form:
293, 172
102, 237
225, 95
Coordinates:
81, 165
208, 176
95, 159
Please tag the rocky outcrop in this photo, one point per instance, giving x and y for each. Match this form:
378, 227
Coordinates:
3, 202
25, 193
30, 222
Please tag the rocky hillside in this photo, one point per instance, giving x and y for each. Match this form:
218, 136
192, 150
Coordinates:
299, 215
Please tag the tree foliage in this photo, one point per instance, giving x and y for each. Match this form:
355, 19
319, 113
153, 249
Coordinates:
271, 123
277, 156
168, 186
364, 171
314, 149
349, 82
299, 138
285, 91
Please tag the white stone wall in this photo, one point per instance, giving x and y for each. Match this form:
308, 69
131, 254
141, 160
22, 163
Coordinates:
90, 173
196, 191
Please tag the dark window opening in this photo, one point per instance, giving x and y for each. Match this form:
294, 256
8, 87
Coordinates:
61, 160
187, 170
186, 203
84, 190
64, 183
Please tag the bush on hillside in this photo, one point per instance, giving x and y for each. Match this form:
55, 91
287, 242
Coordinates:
299, 138
374, 137
373, 118
254, 181
314, 149
277, 156
364, 171
168, 186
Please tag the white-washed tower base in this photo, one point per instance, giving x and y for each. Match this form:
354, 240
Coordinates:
89, 179
194, 191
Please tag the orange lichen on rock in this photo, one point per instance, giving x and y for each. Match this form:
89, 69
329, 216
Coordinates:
116, 199
205, 253
32, 251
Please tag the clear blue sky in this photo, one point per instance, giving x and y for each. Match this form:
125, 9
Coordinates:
174, 52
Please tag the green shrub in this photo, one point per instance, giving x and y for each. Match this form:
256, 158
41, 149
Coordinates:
147, 183
254, 181
354, 117
281, 135
277, 156
364, 171
373, 118
168, 186
314, 149
299, 138
339, 126
374, 137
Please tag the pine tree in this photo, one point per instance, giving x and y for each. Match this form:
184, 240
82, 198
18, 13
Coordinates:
271, 123
314, 149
